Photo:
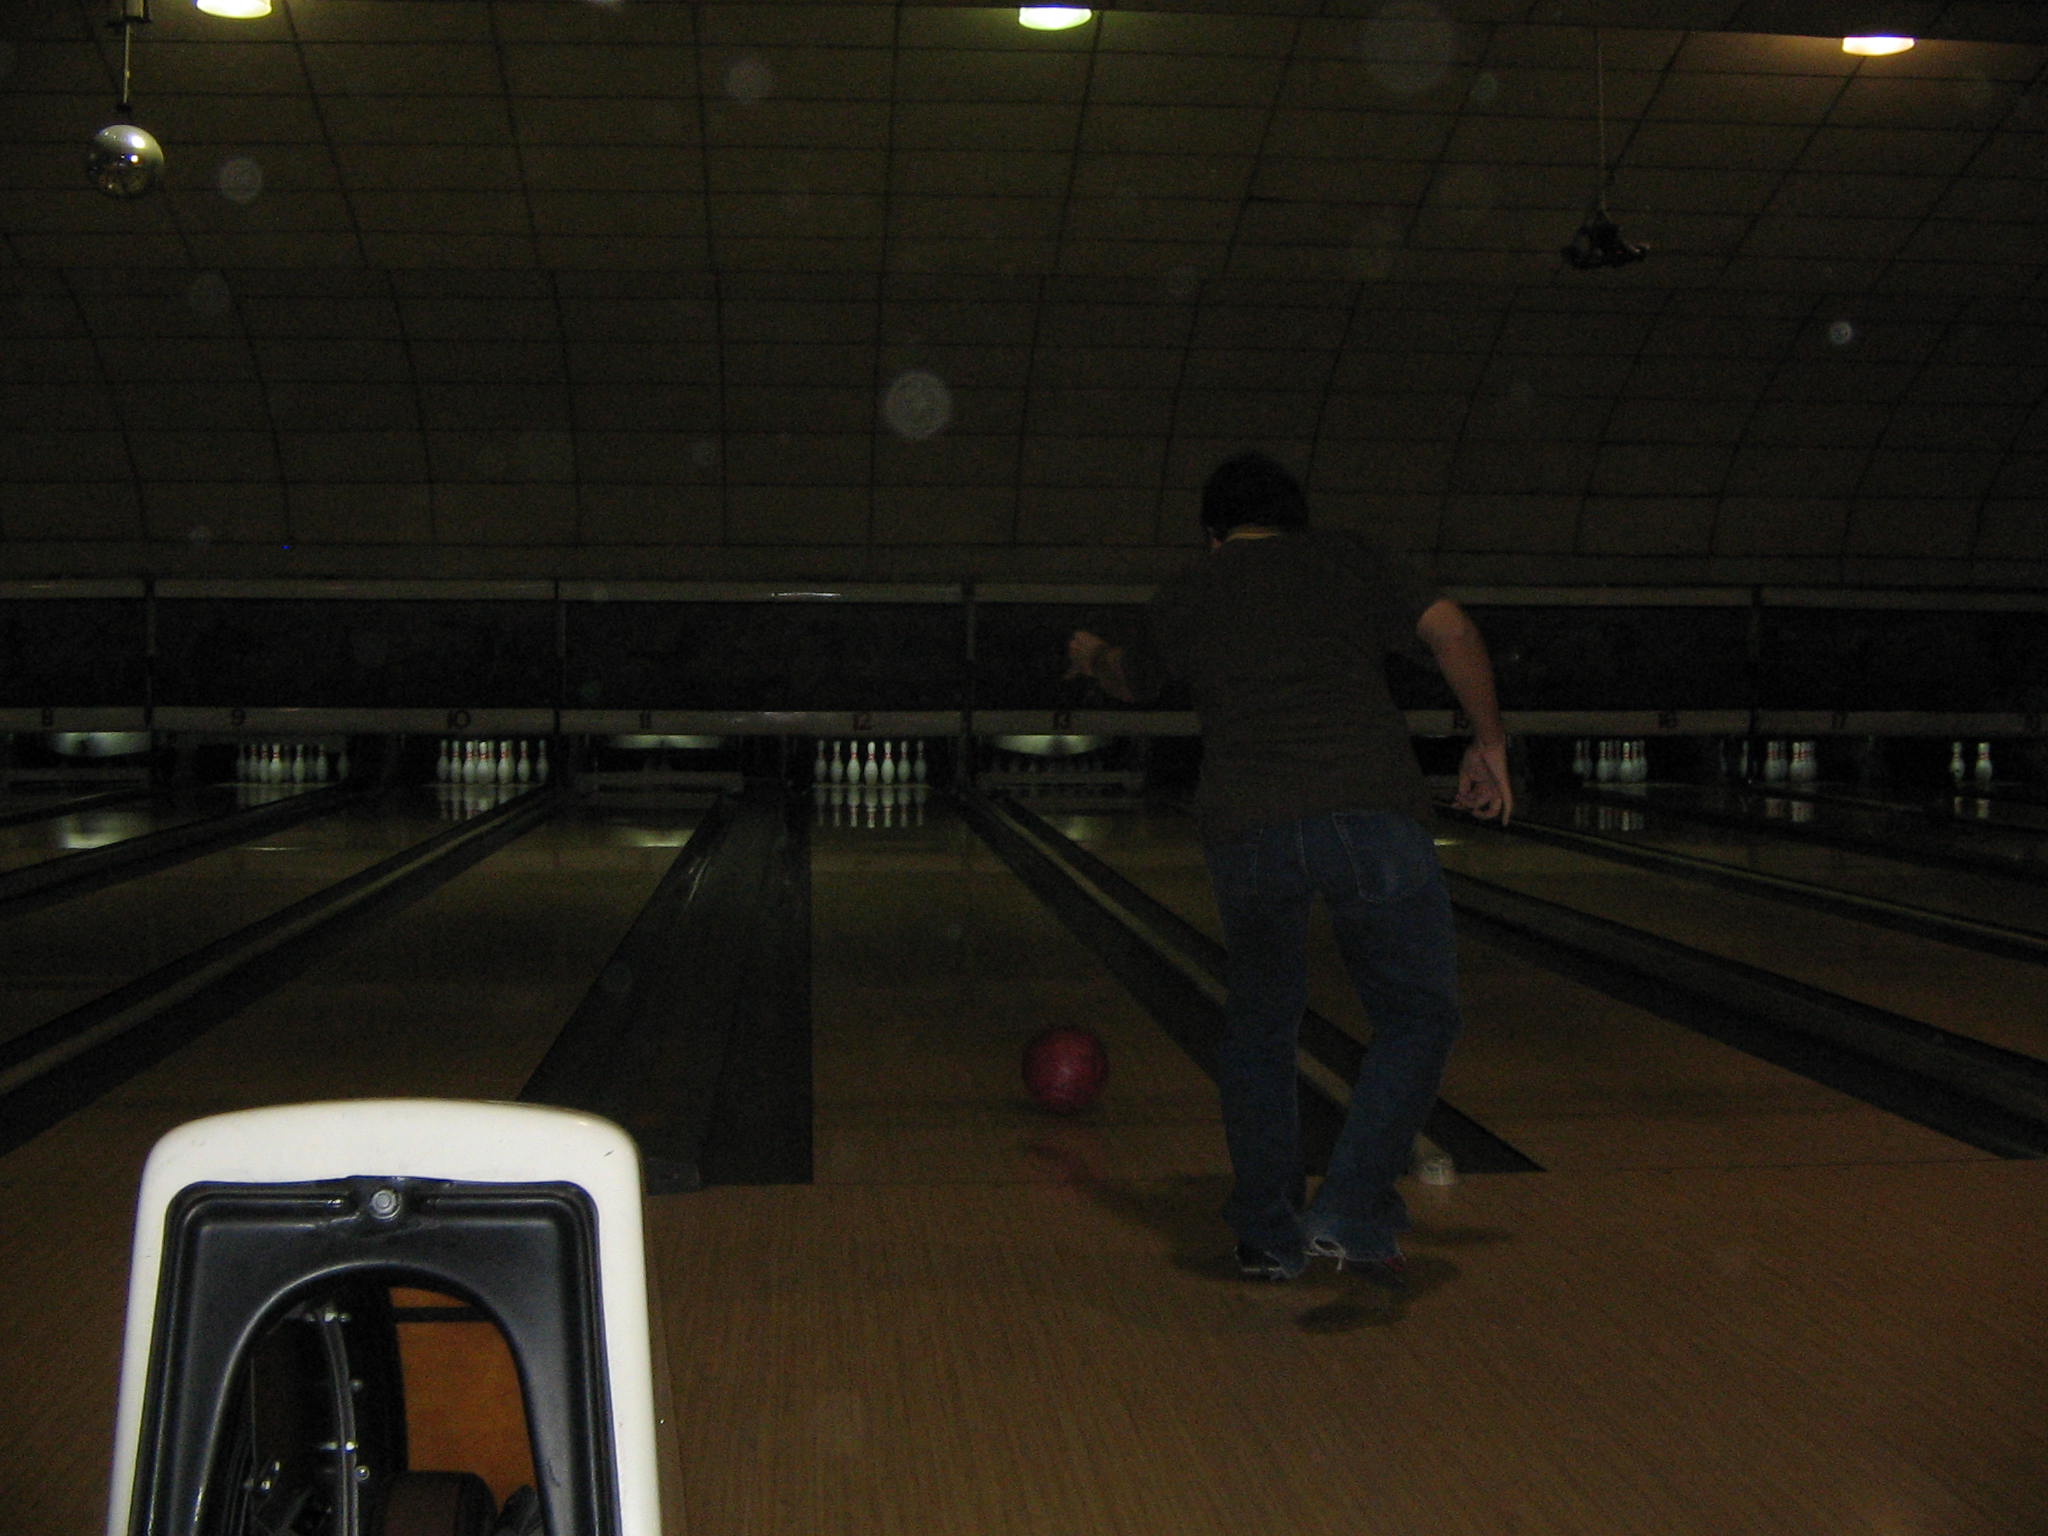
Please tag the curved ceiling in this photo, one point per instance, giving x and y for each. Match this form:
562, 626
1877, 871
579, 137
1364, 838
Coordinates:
612, 287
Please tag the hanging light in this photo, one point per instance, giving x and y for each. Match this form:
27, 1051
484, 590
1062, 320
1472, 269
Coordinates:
125, 161
1875, 47
1598, 241
1051, 18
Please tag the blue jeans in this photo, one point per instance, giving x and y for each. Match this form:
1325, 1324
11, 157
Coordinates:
1378, 873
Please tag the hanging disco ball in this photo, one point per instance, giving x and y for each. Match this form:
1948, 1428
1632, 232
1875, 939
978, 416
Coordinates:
124, 161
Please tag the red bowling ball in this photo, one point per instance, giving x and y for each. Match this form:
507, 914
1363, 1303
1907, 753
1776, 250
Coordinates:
1065, 1068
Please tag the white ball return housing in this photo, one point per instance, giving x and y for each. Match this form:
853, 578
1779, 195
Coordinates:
261, 1388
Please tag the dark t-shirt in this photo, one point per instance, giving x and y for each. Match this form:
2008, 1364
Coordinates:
1283, 642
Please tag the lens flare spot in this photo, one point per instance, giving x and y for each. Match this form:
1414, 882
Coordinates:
210, 295
748, 80
918, 405
240, 179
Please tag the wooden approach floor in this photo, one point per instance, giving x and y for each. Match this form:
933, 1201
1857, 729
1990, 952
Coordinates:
981, 1320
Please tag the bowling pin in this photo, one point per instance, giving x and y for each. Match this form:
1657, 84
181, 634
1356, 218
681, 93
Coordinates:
819, 767
1603, 764
320, 764
1774, 762
917, 768
540, 765
341, 764
1957, 770
870, 770
522, 769
1984, 764
888, 762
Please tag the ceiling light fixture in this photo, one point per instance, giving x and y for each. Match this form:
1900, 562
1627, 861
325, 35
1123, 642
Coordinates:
235, 10
1051, 18
1875, 47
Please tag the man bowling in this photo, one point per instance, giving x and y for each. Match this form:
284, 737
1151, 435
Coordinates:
1310, 787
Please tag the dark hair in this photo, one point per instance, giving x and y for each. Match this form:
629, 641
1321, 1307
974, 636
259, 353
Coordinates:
1252, 488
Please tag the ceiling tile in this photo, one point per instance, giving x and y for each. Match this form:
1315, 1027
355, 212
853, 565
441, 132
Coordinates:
956, 75
392, 21
1717, 146
842, 125
983, 172
414, 119
1004, 126
1890, 151
1137, 129
408, 69
1745, 98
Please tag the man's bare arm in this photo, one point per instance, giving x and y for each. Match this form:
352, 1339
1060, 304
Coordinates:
1460, 652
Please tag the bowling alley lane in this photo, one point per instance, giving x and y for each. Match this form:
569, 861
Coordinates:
1984, 997
1907, 831
52, 837
2014, 901
60, 956
932, 968
1574, 1079
456, 995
